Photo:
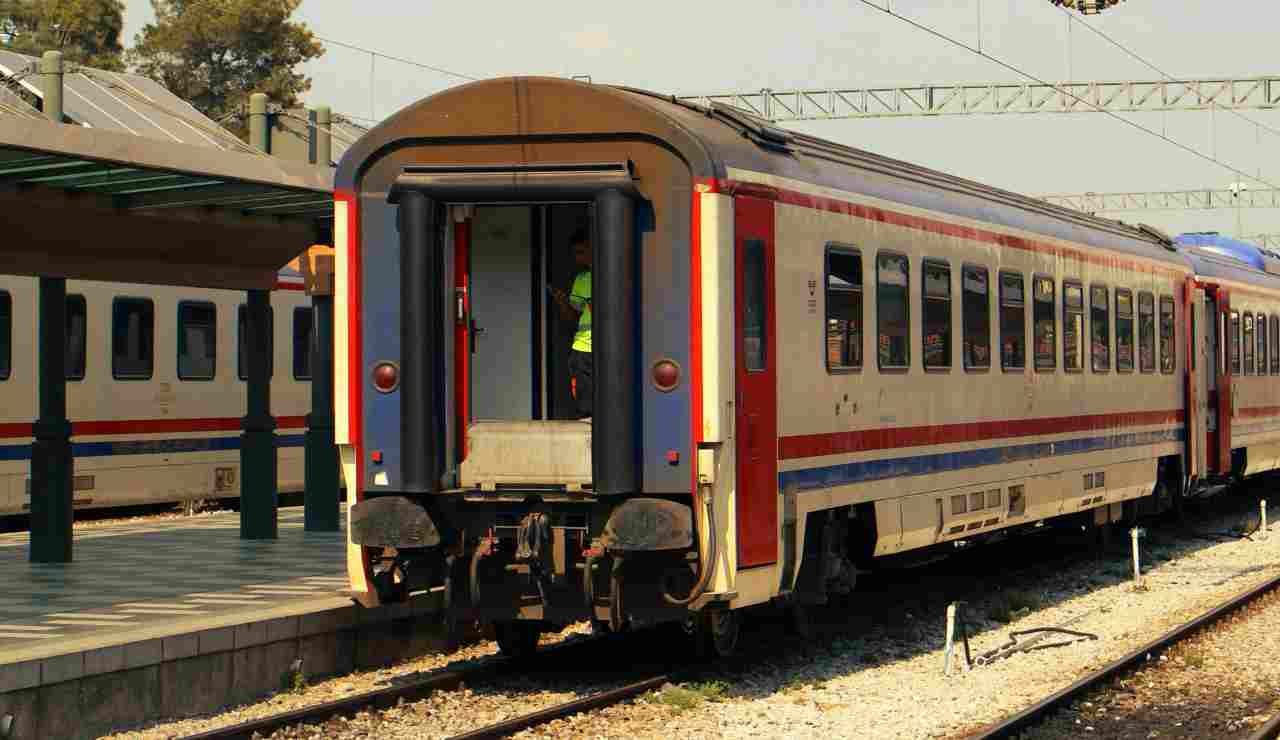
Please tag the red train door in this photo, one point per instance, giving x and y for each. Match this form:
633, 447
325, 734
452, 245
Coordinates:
1220, 335
757, 352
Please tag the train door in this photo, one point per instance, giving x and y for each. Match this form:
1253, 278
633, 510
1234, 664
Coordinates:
1217, 373
756, 419
502, 313
1200, 365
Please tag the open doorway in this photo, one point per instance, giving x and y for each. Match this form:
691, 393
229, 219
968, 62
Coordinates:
520, 337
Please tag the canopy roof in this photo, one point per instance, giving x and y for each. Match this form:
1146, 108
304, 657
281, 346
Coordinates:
97, 204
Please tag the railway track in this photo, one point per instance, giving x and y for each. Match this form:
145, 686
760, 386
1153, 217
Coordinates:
1021, 721
388, 697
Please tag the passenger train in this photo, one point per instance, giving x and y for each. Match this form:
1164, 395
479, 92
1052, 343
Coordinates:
810, 361
155, 390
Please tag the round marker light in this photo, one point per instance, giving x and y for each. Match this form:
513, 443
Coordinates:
666, 375
386, 377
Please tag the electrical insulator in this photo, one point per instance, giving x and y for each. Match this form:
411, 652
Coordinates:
1087, 7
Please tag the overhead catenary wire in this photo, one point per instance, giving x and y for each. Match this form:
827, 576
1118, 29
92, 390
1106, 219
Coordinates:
1017, 70
402, 60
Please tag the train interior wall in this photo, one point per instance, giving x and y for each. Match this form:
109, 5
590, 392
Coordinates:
521, 339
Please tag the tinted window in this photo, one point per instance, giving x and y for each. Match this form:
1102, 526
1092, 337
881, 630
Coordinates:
755, 340
1275, 339
1072, 326
1233, 339
197, 341
242, 333
975, 294
1099, 329
1146, 333
1261, 330
1013, 319
892, 311
844, 309
1043, 318
1248, 344
132, 338
6, 335
1124, 330
302, 343
937, 314
77, 337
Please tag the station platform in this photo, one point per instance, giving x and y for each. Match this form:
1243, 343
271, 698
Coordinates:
175, 617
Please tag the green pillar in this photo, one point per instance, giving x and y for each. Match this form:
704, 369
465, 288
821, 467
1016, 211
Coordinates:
258, 462
322, 512
321, 497
51, 461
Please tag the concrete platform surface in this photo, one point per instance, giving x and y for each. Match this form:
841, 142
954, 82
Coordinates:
167, 574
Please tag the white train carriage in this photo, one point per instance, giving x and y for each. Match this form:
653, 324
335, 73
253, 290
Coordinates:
809, 360
155, 390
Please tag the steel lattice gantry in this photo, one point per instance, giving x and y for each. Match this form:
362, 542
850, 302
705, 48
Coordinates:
997, 98
1168, 200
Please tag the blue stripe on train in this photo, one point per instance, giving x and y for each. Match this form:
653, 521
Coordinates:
149, 446
896, 467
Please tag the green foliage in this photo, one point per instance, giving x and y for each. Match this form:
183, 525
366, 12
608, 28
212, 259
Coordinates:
690, 695
215, 53
85, 31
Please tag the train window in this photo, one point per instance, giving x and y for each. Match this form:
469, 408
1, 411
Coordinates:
1013, 322
302, 343
77, 336
755, 335
133, 324
1248, 343
6, 335
1168, 336
1099, 329
1124, 330
937, 315
241, 333
1233, 339
1146, 332
975, 305
893, 311
1275, 342
197, 340
844, 309
1262, 343
1043, 323
1072, 326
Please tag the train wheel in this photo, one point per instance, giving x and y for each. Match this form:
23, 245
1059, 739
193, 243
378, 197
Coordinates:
721, 626
799, 622
517, 639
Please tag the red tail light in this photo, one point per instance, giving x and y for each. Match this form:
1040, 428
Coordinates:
386, 377
666, 375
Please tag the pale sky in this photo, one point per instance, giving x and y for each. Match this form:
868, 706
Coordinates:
699, 46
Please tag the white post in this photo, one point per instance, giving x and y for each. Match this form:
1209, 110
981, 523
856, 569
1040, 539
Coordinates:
1137, 568
951, 639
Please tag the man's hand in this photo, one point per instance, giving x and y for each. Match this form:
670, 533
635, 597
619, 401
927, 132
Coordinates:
562, 300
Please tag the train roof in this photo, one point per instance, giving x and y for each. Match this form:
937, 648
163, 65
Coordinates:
1213, 255
712, 140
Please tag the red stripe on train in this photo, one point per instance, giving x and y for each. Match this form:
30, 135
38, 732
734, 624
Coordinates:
934, 226
839, 443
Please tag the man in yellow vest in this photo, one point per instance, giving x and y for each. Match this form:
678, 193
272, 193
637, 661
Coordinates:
578, 303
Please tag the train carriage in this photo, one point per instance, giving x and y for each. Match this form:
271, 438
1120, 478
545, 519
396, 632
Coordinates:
809, 360
155, 391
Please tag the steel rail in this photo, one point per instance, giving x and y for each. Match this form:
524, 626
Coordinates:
1270, 730
1019, 722
377, 699
560, 711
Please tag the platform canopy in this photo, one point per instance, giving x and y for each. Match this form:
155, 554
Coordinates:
137, 186
93, 204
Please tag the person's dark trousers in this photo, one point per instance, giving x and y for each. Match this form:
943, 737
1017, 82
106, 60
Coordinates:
580, 370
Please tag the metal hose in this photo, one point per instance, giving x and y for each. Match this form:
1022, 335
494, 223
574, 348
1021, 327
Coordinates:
706, 523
